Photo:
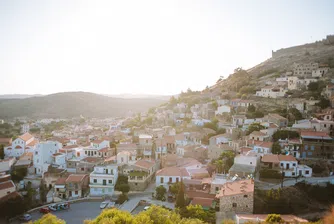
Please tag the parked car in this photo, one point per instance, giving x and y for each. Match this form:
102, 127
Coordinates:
44, 210
146, 207
104, 204
25, 217
60, 206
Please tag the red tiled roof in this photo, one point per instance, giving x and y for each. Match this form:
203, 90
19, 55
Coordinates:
106, 149
6, 185
170, 139
314, 133
98, 141
287, 158
26, 136
204, 202
33, 142
236, 187
75, 178
258, 133
199, 194
61, 181
262, 218
270, 159
173, 171
145, 163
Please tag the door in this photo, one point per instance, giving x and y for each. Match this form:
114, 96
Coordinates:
287, 166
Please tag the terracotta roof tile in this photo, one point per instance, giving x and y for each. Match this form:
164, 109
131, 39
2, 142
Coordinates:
61, 181
6, 185
204, 202
145, 163
26, 136
236, 187
173, 171
75, 178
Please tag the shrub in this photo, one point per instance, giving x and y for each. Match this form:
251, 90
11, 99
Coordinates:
271, 174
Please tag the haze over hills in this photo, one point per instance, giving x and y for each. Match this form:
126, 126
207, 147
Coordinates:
73, 104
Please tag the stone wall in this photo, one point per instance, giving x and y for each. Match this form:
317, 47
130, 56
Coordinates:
243, 204
140, 185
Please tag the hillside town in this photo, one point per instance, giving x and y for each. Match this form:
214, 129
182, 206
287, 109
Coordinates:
218, 145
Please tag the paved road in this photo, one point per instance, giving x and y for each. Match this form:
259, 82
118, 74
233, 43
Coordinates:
290, 182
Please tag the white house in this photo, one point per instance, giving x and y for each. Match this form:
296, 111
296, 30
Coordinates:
262, 147
99, 148
6, 164
170, 175
59, 160
24, 143
43, 155
126, 157
25, 128
320, 72
223, 109
286, 164
293, 83
219, 139
102, 180
271, 92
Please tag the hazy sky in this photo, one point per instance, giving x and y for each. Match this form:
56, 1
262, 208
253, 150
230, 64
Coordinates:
152, 47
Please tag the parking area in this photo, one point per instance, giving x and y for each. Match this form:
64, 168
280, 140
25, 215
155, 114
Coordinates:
76, 214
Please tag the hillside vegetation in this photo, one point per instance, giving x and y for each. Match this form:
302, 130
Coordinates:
73, 104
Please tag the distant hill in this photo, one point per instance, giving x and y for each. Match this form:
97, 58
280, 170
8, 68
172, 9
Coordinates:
139, 96
73, 104
18, 96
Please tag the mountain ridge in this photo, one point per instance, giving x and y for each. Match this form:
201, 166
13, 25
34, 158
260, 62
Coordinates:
73, 104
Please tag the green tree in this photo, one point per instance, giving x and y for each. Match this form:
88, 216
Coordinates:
42, 191
180, 200
276, 148
122, 198
210, 125
219, 165
19, 173
124, 188
160, 192
2, 151
197, 212
284, 134
295, 113
251, 108
274, 218
174, 189
324, 103
254, 127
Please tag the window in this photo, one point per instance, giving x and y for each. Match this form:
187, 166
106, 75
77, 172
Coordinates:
307, 172
306, 147
82, 169
251, 162
170, 179
217, 188
245, 196
76, 192
309, 153
95, 153
161, 179
312, 147
95, 180
293, 173
281, 164
110, 181
293, 164
86, 152
234, 205
36, 152
177, 179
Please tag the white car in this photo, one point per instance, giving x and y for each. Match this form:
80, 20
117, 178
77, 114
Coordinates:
146, 207
104, 204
